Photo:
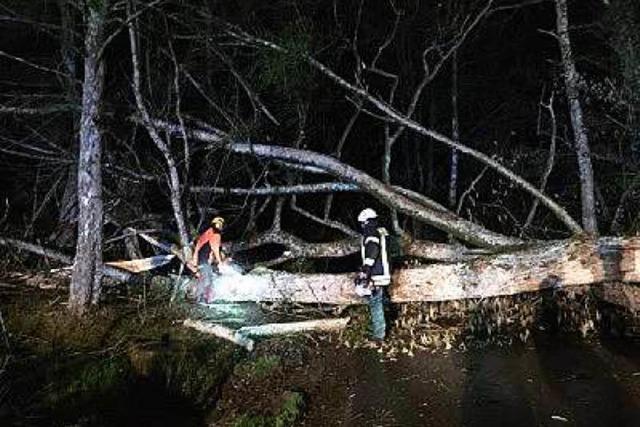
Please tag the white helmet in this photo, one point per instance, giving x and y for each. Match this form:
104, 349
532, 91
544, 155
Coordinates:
367, 214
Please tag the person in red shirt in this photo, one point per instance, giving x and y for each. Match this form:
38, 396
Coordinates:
206, 255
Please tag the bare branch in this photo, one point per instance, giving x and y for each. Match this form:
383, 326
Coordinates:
446, 221
174, 180
324, 187
560, 212
114, 273
328, 223
550, 162
40, 111
36, 66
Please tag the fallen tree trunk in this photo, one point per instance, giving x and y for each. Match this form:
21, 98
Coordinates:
143, 264
241, 336
559, 264
298, 248
221, 332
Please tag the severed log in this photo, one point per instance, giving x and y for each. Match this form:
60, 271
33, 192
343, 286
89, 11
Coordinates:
558, 264
143, 264
167, 248
241, 336
221, 331
114, 273
271, 329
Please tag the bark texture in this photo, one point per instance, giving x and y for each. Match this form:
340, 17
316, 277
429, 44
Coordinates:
559, 264
87, 269
589, 221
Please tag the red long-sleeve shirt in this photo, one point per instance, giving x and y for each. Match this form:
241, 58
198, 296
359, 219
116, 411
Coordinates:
208, 241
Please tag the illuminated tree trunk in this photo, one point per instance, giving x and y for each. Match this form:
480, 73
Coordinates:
455, 133
87, 269
583, 152
553, 265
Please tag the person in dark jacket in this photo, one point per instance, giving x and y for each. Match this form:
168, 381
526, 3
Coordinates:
375, 272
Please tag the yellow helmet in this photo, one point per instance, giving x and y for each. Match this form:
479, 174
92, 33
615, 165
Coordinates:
218, 222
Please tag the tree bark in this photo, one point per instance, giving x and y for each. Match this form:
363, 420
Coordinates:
583, 152
271, 329
559, 264
455, 133
86, 279
321, 187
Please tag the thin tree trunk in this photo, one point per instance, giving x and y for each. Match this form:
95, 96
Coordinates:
87, 269
589, 221
165, 149
548, 168
455, 132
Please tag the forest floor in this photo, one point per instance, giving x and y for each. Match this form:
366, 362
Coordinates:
131, 362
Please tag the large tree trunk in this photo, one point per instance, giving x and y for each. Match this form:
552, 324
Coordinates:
87, 269
583, 152
559, 264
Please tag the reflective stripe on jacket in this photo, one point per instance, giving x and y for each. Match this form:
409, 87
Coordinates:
373, 250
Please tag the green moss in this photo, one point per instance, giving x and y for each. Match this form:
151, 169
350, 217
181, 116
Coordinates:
257, 368
290, 411
76, 383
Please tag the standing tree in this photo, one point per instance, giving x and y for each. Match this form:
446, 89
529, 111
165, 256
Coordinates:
583, 152
86, 280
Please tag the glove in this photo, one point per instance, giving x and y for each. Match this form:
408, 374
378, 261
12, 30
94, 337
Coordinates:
362, 282
362, 291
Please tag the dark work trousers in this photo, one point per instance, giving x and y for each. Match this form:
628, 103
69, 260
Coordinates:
205, 282
376, 311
